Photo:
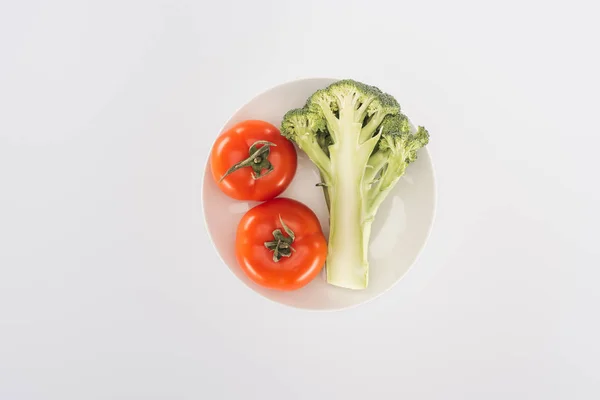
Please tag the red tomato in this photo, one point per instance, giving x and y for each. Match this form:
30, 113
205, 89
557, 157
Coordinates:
280, 245
252, 161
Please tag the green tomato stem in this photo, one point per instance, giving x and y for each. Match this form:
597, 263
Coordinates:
258, 160
281, 246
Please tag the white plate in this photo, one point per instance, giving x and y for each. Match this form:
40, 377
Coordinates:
400, 229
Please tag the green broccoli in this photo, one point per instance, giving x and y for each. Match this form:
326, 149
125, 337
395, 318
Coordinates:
361, 143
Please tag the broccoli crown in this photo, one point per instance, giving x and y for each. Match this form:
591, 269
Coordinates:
309, 131
384, 104
352, 101
394, 124
301, 122
330, 113
334, 95
404, 144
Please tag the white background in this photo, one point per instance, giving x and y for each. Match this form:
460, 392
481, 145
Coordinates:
110, 289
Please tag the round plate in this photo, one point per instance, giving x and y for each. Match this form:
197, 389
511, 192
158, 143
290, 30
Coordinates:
399, 232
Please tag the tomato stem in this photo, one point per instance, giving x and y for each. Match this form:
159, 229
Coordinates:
281, 246
258, 160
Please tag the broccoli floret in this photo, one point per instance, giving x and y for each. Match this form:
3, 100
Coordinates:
308, 130
395, 151
361, 143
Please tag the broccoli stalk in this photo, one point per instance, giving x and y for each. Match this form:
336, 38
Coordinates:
361, 144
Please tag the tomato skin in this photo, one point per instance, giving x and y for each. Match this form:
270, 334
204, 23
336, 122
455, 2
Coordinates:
233, 146
289, 273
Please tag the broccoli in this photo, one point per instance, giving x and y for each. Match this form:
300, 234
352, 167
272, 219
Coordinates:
361, 143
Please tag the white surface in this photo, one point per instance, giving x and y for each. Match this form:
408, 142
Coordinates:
109, 288
398, 235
